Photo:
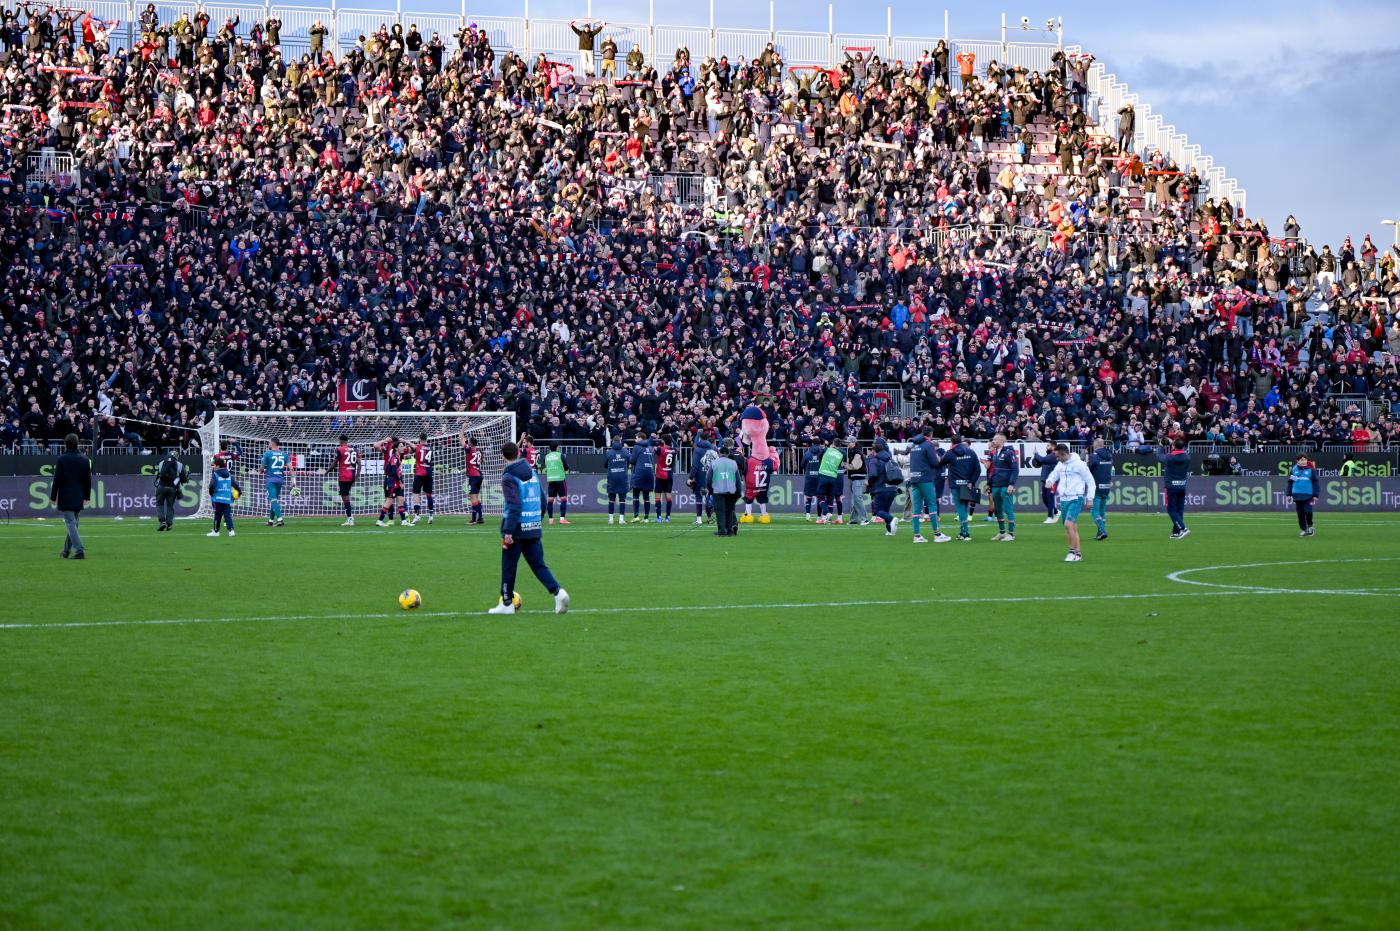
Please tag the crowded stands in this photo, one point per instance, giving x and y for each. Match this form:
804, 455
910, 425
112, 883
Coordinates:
469, 230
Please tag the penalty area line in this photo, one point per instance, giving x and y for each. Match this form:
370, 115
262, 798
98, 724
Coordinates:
648, 609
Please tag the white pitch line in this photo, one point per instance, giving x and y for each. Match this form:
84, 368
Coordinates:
651, 609
1180, 576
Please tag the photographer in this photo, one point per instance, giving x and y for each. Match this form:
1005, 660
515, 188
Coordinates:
170, 476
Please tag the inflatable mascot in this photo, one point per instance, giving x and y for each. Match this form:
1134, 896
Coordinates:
761, 465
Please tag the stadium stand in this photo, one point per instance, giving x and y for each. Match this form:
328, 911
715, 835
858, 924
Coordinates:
197, 222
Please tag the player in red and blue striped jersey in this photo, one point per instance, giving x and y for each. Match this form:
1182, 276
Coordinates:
665, 446
423, 479
347, 469
393, 451
472, 453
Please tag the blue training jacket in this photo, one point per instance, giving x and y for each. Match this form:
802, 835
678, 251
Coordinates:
524, 502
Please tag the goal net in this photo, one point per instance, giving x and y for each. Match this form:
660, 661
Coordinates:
309, 440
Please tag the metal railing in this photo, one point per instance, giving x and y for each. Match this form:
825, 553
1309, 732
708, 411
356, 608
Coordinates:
530, 36
49, 164
1107, 95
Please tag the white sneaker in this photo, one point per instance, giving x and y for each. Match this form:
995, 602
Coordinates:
430, 518
1185, 531
1302, 533
1008, 538
231, 533
561, 602
998, 538
349, 522
212, 533
379, 523
414, 522
1073, 557
942, 538
920, 539
894, 522
699, 521
1049, 520
502, 608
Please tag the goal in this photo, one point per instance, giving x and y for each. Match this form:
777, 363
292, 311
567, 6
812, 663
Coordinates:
310, 440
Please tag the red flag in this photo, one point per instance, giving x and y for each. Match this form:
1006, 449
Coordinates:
356, 395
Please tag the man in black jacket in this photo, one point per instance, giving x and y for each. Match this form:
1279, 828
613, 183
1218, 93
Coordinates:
72, 486
171, 474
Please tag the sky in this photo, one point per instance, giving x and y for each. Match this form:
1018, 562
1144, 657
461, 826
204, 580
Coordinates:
1300, 101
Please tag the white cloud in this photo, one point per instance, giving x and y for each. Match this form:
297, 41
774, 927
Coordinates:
1285, 51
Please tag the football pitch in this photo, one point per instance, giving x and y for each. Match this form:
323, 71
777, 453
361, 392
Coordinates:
801, 727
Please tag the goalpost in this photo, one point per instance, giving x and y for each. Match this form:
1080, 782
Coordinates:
310, 439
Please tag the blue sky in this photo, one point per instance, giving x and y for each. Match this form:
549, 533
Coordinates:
1300, 101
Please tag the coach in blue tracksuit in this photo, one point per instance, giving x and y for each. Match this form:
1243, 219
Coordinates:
1176, 466
619, 464
964, 470
1047, 463
522, 532
1303, 487
1101, 467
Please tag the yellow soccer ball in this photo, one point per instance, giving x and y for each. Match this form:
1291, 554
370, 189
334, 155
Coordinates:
410, 600
237, 494
515, 600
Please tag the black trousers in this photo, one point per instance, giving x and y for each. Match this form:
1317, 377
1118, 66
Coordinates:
1047, 498
1305, 512
533, 551
165, 504
727, 523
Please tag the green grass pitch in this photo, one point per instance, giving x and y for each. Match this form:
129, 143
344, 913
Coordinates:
804, 727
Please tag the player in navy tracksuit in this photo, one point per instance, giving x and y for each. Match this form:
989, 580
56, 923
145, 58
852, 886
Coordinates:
964, 469
1176, 465
1004, 468
1047, 465
925, 486
704, 504
522, 532
1101, 467
811, 478
643, 479
619, 462
884, 485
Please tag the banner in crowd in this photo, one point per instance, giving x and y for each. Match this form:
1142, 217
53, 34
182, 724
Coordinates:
357, 395
134, 496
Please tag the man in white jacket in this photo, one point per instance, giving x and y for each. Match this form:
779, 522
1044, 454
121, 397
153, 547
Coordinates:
1073, 483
